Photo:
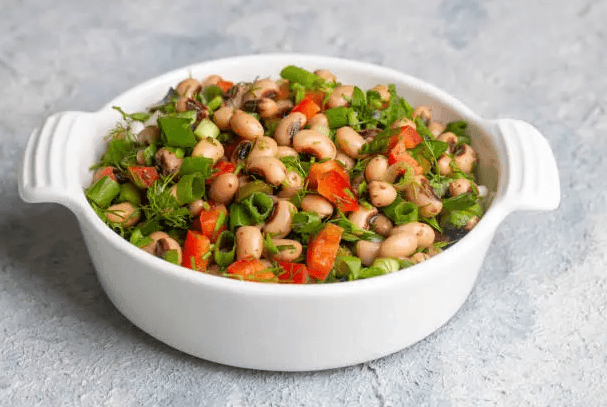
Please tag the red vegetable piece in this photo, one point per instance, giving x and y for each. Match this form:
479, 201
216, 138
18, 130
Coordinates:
196, 246
408, 137
316, 170
293, 273
207, 222
222, 167
143, 177
251, 269
225, 85
316, 96
109, 171
333, 186
322, 250
307, 107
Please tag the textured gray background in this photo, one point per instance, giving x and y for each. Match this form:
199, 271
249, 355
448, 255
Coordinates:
533, 333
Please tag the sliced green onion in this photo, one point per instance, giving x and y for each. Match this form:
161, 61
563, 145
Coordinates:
103, 192
387, 264
138, 239
130, 193
225, 249
177, 132
215, 103
259, 206
191, 165
212, 92
239, 216
401, 212
346, 266
171, 256
337, 116
190, 188
149, 153
205, 129
250, 187
295, 74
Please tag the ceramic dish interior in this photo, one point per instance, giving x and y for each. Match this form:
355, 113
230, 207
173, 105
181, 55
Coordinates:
287, 327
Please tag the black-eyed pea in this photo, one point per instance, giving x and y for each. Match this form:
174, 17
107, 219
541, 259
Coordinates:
284, 151
317, 204
124, 213
381, 193
288, 127
155, 236
314, 143
209, 148
399, 246
188, 87
270, 168
421, 194
288, 250
325, 74
283, 106
181, 105
349, 141
211, 80
376, 168
404, 123
267, 108
381, 224
450, 139
224, 188
148, 135
424, 113
362, 216
166, 244
245, 125
222, 117
345, 159
367, 251
424, 233
320, 123
265, 88
436, 128
279, 223
340, 96
459, 186
249, 242
196, 207
471, 223
465, 158
263, 147
292, 184
444, 165
384, 92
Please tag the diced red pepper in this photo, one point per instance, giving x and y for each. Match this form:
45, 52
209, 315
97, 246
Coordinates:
293, 273
222, 167
225, 85
317, 96
283, 90
322, 250
307, 107
397, 155
194, 249
211, 222
143, 177
408, 137
252, 270
109, 171
316, 170
334, 187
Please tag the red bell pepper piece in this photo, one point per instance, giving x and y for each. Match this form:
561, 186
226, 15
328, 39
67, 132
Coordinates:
251, 269
283, 90
222, 167
322, 250
316, 170
225, 85
211, 222
335, 188
316, 96
407, 137
307, 106
143, 177
109, 171
194, 249
293, 273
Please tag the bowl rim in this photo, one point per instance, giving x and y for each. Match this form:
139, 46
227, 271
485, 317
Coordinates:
429, 269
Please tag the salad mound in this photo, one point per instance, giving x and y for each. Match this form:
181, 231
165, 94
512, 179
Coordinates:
302, 179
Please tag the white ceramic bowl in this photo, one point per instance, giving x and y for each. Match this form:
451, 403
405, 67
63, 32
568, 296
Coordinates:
288, 327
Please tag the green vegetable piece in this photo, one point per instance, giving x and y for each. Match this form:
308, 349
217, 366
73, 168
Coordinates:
205, 129
386, 264
401, 212
191, 165
239, 216
138, 239
177, 132
129, 193
460, 202
225, 249
359, 99
458, 128
117, 153
269, 245
258, 206
190, 188
103, 192
306, 223
379, 144
139, 117
367, 272
298, 75
212, 92
337, 116
215, 103
346, 266
171, 256
251, 187
149, 153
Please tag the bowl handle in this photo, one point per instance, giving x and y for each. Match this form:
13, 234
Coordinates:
47, 174
533, 180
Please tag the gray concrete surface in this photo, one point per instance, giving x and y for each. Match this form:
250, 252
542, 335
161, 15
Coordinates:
531, 334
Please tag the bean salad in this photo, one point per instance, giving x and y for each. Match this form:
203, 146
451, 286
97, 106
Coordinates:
299, 179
